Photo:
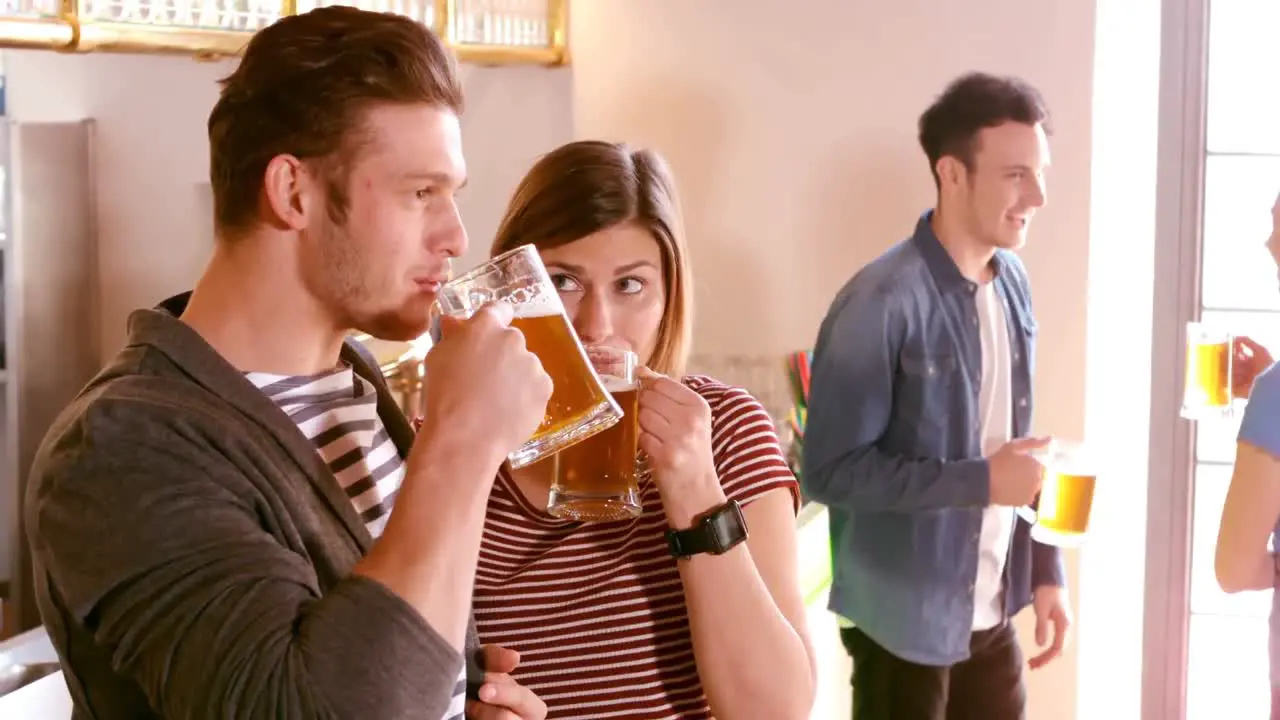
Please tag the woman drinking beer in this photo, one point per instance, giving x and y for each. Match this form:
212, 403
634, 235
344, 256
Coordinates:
623, 618
1251, 514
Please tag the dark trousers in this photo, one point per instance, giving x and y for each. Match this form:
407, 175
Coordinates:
987, 686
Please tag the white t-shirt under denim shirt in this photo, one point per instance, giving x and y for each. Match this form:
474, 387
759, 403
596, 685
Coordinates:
1261, 428
995, 403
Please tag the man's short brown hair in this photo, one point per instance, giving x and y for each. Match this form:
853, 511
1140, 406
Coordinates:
303, 88
969, 104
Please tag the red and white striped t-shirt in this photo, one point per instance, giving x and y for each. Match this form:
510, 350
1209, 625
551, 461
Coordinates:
597, 610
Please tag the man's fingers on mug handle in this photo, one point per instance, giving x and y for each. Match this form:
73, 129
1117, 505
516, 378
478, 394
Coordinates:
498, 311
449, 325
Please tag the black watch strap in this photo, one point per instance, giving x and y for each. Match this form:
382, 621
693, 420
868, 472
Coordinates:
715, 532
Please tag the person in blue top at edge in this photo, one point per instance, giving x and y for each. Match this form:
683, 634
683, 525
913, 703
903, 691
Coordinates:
1251, 514
919, 411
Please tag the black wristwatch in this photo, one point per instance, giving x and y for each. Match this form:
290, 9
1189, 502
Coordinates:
716, 532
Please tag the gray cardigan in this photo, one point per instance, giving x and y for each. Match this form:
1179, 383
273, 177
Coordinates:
193, 552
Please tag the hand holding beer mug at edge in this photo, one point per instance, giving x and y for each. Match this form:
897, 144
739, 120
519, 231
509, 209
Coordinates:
1220, 369
494, 387
1016, 474
1251, 358
1063, 474
675, 435
579, 406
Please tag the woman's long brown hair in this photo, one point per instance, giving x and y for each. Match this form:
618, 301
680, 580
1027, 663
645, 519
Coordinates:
587, 186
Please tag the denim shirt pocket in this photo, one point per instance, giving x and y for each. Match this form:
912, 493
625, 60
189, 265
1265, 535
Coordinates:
926, 392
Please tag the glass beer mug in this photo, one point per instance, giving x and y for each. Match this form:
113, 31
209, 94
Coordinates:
580, 406
597, 480
1066, 498
1208, 392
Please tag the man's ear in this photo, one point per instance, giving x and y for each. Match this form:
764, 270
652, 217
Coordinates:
950, 171
288, 189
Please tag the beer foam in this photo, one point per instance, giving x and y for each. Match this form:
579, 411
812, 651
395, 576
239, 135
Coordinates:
529, 305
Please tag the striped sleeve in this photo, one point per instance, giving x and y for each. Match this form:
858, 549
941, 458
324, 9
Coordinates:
748, 455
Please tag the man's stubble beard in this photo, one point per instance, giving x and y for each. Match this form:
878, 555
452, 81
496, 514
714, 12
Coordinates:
351, 294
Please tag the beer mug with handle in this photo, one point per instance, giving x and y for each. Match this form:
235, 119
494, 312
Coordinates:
1066, 498
580, 406
1208, 392
597, 480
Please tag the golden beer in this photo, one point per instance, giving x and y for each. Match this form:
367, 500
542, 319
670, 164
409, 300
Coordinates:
596, 480
1208, 390
1066, 497
1065, 502
576, 390
579, 405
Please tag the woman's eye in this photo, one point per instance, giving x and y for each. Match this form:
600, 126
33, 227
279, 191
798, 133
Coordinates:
565, 283
630, 285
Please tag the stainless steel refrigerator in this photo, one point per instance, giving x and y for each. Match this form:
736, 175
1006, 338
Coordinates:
48, 314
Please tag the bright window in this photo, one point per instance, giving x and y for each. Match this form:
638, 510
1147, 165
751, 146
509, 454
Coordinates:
1228, 664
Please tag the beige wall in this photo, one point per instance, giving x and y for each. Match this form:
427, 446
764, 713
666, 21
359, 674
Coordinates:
793, 137
153, 156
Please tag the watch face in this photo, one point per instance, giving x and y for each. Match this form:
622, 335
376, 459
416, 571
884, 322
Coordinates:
728, 528
716, 533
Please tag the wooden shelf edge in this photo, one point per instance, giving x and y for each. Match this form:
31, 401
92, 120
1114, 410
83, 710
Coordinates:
208, 44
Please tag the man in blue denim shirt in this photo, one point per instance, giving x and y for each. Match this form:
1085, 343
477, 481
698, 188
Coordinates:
919, 409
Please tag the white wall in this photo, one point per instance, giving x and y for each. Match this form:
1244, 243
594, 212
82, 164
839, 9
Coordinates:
153, 156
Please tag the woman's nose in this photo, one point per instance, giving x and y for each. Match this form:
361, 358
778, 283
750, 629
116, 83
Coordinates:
593, 323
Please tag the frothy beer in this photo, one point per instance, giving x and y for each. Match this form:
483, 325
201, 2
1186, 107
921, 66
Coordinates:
1208, 385
597, 479
575, 392
579, 405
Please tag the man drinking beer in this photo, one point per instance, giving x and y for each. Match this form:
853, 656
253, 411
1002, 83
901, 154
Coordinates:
211, 517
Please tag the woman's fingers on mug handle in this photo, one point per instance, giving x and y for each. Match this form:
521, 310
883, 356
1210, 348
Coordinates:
1247, 347
650, 378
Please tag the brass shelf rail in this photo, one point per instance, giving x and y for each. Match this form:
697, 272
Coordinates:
487, 32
